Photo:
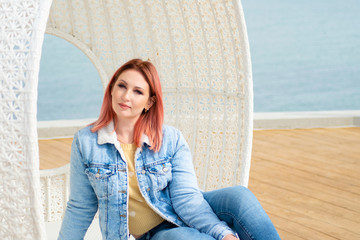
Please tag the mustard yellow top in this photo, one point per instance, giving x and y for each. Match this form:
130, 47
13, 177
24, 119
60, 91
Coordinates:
141, 216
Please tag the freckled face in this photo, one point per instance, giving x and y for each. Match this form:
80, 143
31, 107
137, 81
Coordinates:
130, 95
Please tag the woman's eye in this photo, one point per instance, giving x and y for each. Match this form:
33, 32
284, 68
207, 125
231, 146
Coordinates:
121, 85
139, 92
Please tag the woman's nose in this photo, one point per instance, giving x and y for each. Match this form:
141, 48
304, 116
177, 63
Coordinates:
125, 96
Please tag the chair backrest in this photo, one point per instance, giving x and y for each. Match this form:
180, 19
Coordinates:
54, 192
200, 49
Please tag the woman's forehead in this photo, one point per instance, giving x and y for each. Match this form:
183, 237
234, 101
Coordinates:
133, 78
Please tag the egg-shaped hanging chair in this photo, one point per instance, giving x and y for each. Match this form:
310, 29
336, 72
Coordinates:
201, 51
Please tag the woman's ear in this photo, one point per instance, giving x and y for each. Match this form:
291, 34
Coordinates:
151, 102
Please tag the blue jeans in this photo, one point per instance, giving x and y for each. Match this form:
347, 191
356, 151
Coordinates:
237, 206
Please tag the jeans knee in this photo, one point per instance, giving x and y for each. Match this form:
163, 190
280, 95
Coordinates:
231, 199
240, 199
241, 193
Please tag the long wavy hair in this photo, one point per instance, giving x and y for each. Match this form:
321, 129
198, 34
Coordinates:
149, 122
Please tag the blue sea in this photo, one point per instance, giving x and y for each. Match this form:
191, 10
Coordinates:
305, 57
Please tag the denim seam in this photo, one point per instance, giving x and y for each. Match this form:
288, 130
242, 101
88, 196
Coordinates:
106, 218
158, 162
239, 222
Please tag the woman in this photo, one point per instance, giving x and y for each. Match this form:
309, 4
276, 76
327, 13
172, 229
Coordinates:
139, 174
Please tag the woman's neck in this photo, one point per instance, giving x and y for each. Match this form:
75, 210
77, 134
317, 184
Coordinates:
125, 131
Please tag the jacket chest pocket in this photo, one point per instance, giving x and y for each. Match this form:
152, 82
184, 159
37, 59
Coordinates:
102, 180
160, 174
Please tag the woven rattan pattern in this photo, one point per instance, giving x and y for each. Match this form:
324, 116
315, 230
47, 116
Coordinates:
201, 51
22, 27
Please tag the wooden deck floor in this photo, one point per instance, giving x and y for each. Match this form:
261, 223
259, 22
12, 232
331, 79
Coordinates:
307, 180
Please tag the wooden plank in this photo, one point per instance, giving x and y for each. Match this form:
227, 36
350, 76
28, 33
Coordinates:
309, 155
288, 224
308, 178
335, 176
307, 185
54, 153
306, 211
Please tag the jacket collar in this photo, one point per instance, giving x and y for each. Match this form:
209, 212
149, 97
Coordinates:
107, 134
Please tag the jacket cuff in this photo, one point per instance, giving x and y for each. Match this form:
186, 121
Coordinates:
226, 232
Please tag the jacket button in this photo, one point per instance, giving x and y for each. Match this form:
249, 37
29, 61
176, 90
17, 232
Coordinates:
148, 189
143, 171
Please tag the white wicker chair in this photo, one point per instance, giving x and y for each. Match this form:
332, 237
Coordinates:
201, 51
54, 195
22, 27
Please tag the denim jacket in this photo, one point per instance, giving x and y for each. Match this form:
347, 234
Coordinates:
167, 181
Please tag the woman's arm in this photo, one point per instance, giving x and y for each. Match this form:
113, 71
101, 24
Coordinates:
188, 201
82, 205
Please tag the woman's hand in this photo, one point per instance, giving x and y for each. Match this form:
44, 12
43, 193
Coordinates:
230, 237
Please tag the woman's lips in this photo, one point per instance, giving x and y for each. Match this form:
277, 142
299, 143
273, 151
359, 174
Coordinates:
123, 106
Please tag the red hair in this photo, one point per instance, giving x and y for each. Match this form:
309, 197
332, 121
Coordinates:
149, 122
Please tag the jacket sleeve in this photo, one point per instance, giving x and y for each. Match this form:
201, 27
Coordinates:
188, 201
83, 204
